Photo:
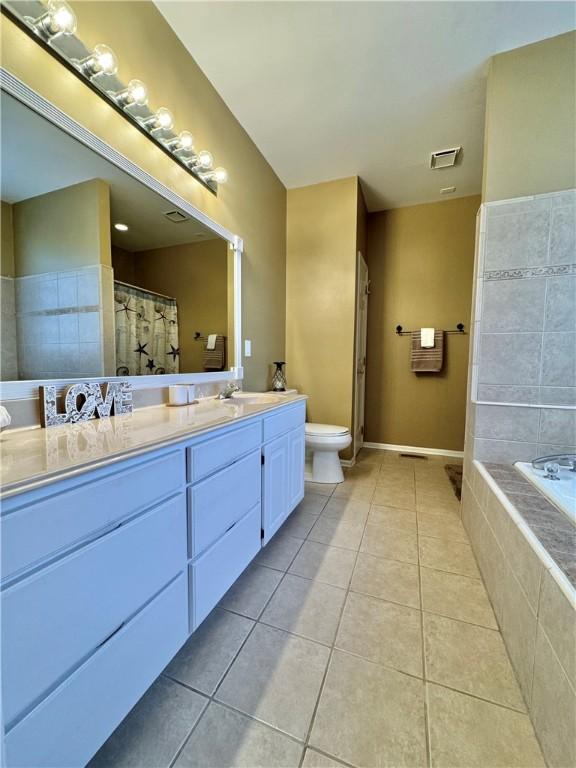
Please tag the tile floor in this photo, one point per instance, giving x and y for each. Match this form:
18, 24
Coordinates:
360, 636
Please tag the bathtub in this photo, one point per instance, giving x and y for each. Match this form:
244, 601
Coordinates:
562, 492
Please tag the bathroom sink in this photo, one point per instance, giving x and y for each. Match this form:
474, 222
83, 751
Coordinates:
253, 398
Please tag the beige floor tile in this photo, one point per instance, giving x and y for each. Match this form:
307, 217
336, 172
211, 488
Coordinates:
323, 489
307, 608
312, 503
396, 471
396, 481
362, 472
369, 715
447, 555
313, 759
299, 524
435, 492
387, 579
381, 541
337, 533
393, 517
438, 507
227, 738
203, 660
441, 527
353, 490
469, 733
457, 597
322, 563
251, 591
471, 659
383, 632
343, 508
276, 677
399, 497
370, 456
279, 552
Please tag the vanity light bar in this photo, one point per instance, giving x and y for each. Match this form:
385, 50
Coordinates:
53, 25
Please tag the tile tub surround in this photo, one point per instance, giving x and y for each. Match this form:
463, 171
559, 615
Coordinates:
522, 400
335, 651
8, 347
531, 588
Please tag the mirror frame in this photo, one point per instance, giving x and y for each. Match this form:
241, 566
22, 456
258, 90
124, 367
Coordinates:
26, 389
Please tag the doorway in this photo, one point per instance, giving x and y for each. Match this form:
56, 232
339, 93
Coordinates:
362, 293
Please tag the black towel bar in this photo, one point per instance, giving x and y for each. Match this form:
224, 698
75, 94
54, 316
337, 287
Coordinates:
459, 329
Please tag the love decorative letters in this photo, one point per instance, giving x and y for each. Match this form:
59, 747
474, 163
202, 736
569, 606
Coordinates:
85, 401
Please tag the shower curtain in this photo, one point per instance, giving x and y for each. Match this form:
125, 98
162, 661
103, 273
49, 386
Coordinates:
146, 332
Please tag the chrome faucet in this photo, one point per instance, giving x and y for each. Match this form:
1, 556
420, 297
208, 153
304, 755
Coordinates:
561, 460
228, 391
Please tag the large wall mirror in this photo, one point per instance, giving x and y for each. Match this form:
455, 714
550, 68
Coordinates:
101, 276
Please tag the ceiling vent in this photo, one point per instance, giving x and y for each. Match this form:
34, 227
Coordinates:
444, 158
175, 216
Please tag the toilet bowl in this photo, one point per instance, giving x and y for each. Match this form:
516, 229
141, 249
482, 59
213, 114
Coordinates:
323, 441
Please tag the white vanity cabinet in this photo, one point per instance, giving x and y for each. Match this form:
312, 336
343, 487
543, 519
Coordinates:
106, 573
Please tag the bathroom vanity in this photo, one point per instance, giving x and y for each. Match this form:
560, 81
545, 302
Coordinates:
112, 555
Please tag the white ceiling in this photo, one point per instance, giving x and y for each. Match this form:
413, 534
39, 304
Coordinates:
334, 89
37, 158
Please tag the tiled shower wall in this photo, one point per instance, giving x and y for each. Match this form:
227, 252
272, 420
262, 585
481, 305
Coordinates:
65, 324
8, 347
523, 356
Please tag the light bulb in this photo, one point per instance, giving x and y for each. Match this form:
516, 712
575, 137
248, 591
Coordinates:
58, 19
102, 62
163, 119
220, 175
205, 160
136, 93
185, 141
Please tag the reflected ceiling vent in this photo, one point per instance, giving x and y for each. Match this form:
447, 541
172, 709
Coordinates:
444, 158
175, 216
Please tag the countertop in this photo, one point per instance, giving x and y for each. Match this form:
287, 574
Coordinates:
34, 457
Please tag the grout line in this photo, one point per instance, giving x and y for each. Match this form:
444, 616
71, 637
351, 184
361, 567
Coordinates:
323, 682
227, 669
427, 734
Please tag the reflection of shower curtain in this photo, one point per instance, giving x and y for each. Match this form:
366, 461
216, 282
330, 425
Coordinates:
146, 332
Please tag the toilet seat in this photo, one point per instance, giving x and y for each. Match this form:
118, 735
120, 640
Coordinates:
325, 430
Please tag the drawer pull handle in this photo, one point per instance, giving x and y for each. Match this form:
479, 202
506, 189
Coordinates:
111, 635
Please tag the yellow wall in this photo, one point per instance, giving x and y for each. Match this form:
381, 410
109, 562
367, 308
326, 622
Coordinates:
7, 233
62, 230
530, 133
420, 262
320, 297
252, 204
196, 276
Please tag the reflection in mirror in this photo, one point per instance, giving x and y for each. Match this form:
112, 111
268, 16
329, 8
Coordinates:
101, 276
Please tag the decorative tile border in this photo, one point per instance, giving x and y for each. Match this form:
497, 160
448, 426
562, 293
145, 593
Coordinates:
518, 274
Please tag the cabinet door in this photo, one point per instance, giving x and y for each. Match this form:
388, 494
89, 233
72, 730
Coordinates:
275, 485
296, 468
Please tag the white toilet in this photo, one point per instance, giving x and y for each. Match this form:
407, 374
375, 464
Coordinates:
323, 441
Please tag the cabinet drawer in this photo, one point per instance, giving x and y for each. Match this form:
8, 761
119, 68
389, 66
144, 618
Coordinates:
285, 420
222, 499
217, 569
36, 525
71, 724
210, 455
53, 620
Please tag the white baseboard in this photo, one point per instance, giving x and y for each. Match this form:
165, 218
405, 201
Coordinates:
415, 449
348, 462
